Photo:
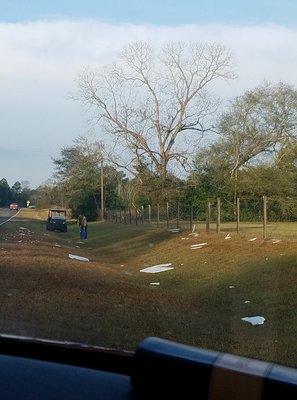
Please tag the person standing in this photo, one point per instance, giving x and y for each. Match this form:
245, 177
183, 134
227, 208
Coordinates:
83, 227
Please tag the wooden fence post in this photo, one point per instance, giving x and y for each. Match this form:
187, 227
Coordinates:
208, 217
191, 217
142, 214
237, 214
158, 215
218, 215
167, 214
150, 213
264, 217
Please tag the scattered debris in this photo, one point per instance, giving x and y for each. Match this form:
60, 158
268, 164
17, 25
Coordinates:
57, 245
246, 301
227, 237
231, 287
155, 283
79, 258
257, 320
122, 265
276, 241
80, 242
157, 268
196, 234
183, 238
194, 228
175, 230
266, 259
197, 246
252, 239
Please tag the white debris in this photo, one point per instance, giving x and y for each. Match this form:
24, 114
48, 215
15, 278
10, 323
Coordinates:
275, 241
257, 320
246, 301
194, 228
176, 230
252, 239
155, 283
231, 287
227, 237
79, 258
80, 242
196, 234
196, 247
57, 245
183, 238
157, 268
122, 265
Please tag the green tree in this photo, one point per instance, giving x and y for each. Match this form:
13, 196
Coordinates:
5, 193
78, 172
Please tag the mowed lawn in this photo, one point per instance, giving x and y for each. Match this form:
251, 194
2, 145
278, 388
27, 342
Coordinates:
108, 302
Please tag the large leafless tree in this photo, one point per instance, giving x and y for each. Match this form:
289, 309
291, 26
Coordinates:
153, 101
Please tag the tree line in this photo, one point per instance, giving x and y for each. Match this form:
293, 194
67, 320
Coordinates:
18, 193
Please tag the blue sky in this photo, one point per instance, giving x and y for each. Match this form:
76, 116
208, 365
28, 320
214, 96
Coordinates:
154, 11
44, 44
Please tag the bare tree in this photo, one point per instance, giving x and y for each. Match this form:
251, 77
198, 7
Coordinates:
259, 121
152, 102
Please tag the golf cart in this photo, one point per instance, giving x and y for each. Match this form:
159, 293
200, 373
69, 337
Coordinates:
56, 220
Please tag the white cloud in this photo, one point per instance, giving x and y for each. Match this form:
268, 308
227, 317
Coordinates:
55, 51
39, 62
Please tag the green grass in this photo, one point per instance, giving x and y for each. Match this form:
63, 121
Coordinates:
108, 304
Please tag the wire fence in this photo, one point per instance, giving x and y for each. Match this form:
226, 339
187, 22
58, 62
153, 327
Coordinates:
209, 214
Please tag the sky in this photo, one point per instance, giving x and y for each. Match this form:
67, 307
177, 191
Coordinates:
45, 44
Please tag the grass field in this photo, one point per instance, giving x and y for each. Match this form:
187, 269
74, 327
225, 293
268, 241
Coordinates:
109, 302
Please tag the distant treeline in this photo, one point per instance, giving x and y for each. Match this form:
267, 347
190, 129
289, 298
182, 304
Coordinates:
18, 193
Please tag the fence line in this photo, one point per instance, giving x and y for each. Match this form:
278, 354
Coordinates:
186, 216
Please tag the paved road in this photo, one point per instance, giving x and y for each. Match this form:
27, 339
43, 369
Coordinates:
5, 214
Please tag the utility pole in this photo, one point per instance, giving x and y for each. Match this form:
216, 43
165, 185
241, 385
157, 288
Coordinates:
102, 192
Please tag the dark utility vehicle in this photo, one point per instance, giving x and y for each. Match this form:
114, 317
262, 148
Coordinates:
56, 220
